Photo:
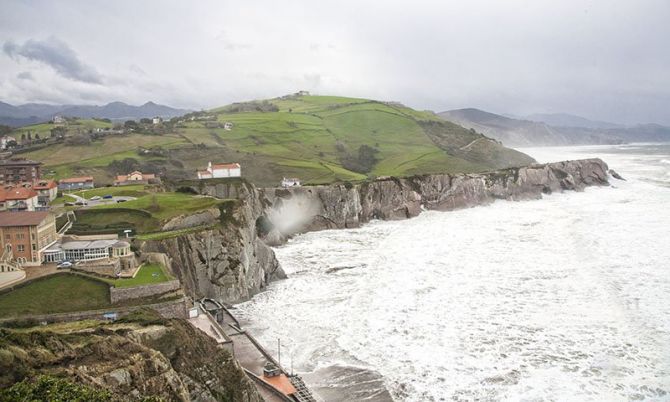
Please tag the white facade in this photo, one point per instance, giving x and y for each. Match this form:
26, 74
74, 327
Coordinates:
220, 171
157, 120
290, 182
5, 140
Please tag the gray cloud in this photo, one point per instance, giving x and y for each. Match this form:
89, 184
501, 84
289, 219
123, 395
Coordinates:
603, 59
25, 75
57, 54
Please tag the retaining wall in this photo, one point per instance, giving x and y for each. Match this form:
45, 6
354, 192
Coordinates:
136, 292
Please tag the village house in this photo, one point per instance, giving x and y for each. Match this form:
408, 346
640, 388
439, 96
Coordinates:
157, 120
18, 198
227, 126
290, 182
5, 141
19, 170
28, 234
220, 170
135, 177
47, 191
76, 183
58, 120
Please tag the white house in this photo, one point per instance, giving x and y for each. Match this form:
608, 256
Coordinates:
58, 120
157, 120
220, 170
227, 126
5, 140
290, 182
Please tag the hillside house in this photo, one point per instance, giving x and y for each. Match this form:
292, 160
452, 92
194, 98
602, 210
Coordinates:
227, 126
76, 183
58, 120
290, 182
5, 141
17, 198
19, 170
28, 234
220, 171
47, 191
156, 120
135, 177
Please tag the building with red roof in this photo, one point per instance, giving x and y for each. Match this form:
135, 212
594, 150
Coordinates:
18, 198
214, 171
76, 183
135, 177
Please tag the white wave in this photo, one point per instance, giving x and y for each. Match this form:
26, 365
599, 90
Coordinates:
567, 298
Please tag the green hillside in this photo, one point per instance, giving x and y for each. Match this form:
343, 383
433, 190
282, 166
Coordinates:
319, 139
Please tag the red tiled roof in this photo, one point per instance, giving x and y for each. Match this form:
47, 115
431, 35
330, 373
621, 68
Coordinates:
16, 193
44, 185
76, 179
226, 166
32, 218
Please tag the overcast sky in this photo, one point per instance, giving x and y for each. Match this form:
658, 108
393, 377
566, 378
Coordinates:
603, 59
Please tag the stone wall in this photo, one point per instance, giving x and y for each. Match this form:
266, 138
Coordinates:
137, 292
107, 267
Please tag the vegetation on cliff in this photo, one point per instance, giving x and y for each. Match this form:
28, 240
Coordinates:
142, 356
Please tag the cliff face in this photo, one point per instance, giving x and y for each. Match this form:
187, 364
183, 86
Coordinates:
302, 209
165, 359
226, 261
232, 261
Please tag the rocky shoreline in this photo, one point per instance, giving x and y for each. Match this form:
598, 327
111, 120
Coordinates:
233, 260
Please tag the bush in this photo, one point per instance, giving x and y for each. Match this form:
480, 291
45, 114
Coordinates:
47, 388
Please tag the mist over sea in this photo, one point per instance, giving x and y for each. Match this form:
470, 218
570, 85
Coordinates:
566, 299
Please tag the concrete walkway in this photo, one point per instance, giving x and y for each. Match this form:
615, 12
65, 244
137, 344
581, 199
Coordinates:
10, 278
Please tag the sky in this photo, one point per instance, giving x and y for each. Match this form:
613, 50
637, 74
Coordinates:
601, 59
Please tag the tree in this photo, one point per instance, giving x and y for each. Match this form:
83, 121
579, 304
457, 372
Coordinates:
37, 136
144, 120
58, 132
130, 124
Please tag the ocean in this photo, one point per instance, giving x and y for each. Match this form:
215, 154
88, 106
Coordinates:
561, 299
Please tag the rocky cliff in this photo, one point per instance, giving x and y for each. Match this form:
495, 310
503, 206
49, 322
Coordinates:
302, 209
138, 357
231, 261
226, 260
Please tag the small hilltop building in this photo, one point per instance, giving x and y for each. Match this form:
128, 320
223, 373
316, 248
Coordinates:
290, 182
222, 170
135, 177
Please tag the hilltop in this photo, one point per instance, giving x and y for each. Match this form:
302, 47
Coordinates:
320, 139
564, 130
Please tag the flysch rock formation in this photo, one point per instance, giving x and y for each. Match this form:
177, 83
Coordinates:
232, 261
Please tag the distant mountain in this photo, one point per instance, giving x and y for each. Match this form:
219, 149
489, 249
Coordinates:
570, 120
31, 113
518, 133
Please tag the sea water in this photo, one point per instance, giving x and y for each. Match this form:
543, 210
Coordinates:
565, 298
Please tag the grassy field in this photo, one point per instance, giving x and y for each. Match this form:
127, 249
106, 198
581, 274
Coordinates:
147, 275
55, 294
164, 206
314, 138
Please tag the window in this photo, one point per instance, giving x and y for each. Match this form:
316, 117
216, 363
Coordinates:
34, 247
20, 236
20, 248
8, 236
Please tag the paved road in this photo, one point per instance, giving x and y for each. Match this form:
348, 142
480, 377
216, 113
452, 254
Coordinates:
92, 203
